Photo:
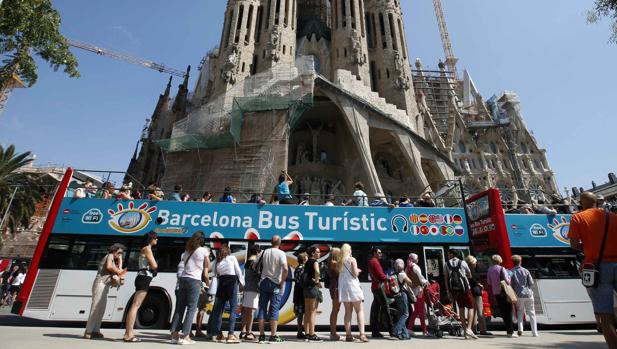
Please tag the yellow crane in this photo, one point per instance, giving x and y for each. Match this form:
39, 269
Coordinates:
15, 81
445, 38
5, 91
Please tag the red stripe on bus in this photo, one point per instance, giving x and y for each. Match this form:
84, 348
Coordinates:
33, 269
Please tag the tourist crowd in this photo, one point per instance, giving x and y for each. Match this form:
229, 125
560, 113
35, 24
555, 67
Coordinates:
400, 297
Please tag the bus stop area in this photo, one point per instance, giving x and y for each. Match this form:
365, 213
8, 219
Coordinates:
69, 338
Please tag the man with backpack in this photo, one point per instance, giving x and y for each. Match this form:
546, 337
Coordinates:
457, 283
272, 266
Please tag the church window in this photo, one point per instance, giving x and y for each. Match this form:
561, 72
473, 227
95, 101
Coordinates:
268, 11
254, 65
249, 24
243, 66
362, 20
352, 9
286, 12
392, 31
524, 148
369, 31
228, 30
387, 73
336, 11
345, 52
373, 76
382, 26
401, 33
239, 24
258, 24
277, 14
317, 64
343, 13
284, 49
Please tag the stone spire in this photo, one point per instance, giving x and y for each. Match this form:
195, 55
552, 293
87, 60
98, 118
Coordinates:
276, 40
349, 45
389, 62
180, 102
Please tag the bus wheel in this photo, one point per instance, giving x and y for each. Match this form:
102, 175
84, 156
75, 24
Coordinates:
153, 313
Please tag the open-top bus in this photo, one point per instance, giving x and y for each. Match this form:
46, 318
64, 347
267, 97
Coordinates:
543, 243
78, 233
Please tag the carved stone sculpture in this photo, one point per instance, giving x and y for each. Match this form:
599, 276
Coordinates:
357, 56
231, 65
274, 45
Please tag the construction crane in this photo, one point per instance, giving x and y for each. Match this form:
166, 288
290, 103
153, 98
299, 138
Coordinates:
445, 38
5, 91
127, 58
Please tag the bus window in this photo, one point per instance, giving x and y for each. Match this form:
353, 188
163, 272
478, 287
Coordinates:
552, 267
87, 253
56, 254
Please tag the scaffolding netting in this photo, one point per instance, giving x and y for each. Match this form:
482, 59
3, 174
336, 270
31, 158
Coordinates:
218, 123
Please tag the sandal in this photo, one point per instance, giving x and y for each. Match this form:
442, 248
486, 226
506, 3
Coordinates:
231, 339
250, 337
131, 340
363, 338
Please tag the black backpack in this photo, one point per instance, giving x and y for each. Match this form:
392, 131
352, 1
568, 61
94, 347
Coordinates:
259, 265
456, 279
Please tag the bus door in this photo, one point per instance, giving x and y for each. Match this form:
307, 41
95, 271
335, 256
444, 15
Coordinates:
434, 262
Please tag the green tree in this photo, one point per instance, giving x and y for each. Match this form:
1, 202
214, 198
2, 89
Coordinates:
27, 28
25, 186
605, 9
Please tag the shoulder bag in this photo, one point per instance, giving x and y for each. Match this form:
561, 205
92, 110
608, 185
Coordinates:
591, 272
506, 289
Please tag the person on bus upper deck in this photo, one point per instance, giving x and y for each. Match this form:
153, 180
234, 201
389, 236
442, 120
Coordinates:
281, 191
462, 295
359, 196
379, 305
90, 189
207, 197
329, 200
153, 192
522, 283
147, 269
495, 274
426, 200
542, 208
175, 196
110, 266
273, 262
305, 200
227, 197
124, 193
586, 233
404, 202
108, 191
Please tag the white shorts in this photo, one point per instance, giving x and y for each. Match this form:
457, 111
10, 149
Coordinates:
250, 300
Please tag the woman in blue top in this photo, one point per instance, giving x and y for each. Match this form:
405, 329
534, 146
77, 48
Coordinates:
281, 191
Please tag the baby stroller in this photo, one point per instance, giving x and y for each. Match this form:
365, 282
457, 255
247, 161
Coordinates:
440, 318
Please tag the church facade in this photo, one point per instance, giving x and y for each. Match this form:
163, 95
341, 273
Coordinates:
326, 90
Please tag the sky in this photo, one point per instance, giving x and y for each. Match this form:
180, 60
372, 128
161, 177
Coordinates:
562, 68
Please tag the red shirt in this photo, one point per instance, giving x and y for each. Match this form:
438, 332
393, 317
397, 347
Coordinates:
377, 274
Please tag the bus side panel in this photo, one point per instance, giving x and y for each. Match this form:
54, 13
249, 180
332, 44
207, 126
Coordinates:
564, 301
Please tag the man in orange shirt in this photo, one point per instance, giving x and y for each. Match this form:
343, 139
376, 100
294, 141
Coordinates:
586, 234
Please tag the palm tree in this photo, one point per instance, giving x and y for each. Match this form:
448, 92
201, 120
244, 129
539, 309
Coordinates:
24, 186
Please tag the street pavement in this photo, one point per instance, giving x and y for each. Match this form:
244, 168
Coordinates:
68, 338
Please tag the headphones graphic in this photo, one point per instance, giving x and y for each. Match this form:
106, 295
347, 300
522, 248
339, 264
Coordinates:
405, 223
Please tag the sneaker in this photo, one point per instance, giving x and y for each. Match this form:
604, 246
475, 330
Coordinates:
486, 333
314, 339
470, 334
520, 333
276, 339
301, 335
512, 335
220, 338
262, 339
186, 341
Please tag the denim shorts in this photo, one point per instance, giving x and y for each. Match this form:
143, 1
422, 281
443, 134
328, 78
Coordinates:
269, 300
602, 296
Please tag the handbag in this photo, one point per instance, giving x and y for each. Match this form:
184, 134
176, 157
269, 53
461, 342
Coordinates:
507, 290
590, 273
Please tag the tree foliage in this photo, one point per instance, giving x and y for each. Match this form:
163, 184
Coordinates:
27, 194
605, 9
27, 28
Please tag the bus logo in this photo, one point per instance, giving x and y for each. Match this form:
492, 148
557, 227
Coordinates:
93, 216
537, 231
131, 219
560, 229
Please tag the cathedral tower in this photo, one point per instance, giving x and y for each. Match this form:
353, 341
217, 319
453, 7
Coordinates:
275, 39
388, 57
349, 45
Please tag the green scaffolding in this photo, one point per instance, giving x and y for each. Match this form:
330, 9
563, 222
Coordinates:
240, 106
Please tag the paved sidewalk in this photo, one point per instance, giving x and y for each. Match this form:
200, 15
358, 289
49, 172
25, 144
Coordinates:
68, 338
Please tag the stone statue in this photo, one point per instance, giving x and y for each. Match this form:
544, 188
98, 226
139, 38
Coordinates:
231, 65
357, 56
274, 45
402, 80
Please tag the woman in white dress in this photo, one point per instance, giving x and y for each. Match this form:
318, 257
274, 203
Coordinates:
350, 293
